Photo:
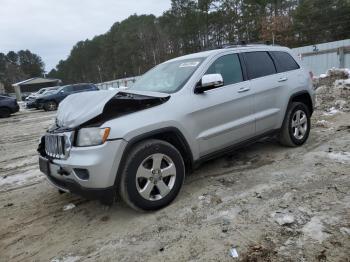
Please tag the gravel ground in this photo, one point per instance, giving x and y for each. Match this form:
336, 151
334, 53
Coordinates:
269, 202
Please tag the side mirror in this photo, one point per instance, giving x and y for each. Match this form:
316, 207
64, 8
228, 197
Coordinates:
208, 82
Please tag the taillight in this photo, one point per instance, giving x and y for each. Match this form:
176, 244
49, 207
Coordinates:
311, 75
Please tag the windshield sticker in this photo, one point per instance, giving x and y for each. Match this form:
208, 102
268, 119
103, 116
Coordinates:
189, 64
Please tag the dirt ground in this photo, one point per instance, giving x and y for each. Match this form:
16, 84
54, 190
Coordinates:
269, 202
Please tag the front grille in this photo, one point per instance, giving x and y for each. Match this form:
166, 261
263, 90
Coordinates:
57, 145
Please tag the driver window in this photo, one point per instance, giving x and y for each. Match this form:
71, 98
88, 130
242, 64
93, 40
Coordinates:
68, 89
229, 67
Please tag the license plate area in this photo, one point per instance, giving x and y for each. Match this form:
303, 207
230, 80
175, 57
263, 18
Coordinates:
44, 165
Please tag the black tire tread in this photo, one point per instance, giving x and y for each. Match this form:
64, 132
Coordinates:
46, 107
143, 145
284, 136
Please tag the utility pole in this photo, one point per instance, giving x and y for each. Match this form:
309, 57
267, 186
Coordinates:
2, 88
154, 58
341, 57
99, 72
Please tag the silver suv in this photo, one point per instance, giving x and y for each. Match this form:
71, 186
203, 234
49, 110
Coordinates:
140, 142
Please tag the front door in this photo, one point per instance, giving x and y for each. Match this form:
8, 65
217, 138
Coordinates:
223, 116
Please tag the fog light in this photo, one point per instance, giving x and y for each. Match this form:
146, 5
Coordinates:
82, 173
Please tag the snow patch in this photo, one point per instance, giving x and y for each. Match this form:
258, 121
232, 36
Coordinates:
336, 71
322, 123
283, 219
14, 181
68, 207
314, 230
66, 259
340, 157
345, 231
332, 111
340, 104
230, 214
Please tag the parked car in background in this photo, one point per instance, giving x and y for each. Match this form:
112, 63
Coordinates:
31, 102
142, 141
8, 106
50, 101
36, 94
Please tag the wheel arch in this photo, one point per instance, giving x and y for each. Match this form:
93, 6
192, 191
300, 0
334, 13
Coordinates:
172, 135
53, 100
303, 97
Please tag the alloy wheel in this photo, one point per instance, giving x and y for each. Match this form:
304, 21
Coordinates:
299, 124
155, 177
52, 106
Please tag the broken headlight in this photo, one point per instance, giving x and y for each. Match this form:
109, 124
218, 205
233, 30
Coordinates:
92, 136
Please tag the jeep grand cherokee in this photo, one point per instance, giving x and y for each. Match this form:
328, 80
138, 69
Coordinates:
142, 141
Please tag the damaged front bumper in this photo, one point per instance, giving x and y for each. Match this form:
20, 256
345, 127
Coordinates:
88, 171
91, 170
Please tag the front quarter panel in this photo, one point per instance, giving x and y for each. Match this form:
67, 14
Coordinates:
167, 115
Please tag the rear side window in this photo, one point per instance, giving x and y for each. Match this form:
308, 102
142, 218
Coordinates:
81, 87
69, 89
259, 64
284, 61
229, 67
88, 87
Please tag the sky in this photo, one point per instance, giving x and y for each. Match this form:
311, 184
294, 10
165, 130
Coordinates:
50, 28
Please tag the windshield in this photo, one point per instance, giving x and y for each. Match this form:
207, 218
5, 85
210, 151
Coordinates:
41, 91
49, 92
168, 77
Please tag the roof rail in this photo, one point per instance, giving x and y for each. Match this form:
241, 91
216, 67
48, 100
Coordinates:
244, 43
236, 44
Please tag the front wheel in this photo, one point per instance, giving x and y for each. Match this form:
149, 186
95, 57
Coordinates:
152, 176
296, 125
50, 106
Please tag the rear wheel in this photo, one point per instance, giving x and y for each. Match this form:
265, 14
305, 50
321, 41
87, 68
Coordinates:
5, 112
296, 126
50, 106
152, 176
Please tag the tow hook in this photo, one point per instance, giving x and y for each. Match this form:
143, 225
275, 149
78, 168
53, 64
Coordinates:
62, 172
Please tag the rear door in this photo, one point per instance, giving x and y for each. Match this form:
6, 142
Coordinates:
267, 87
223, 116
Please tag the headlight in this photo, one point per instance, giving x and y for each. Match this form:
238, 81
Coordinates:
92, 136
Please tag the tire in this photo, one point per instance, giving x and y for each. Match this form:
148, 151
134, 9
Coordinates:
5, 112
295, 131
152, 175
50, 106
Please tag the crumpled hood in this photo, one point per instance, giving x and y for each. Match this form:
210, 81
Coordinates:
80, 108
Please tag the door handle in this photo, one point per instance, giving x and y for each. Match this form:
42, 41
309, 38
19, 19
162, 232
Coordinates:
243, 89
282, 79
